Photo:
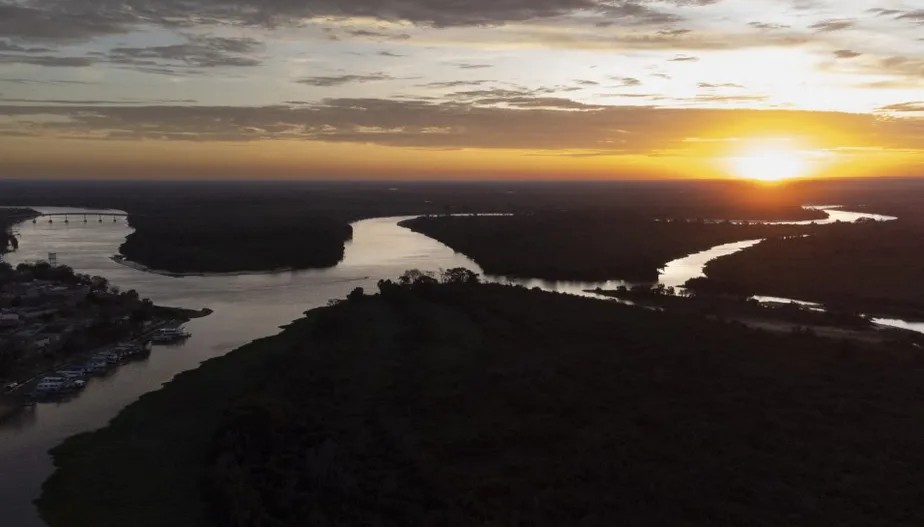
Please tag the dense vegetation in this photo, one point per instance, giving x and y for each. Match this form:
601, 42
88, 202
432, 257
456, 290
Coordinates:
245, 239
8, 218
871, 266
733, 306
580, 245
245, 226
452, 404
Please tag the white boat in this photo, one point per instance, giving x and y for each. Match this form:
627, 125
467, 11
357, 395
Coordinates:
72, 373
170, 334
52, 384
97, 366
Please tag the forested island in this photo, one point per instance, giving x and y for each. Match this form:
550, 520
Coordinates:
870, 266
584, 246
224, 240
442, 401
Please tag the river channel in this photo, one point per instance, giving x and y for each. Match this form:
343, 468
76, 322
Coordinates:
246, 307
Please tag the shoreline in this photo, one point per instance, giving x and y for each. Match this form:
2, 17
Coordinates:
122, 260
11, 402
776, 324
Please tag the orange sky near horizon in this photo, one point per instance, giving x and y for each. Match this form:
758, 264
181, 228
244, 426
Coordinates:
420, 89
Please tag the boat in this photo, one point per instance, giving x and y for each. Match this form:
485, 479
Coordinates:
52, 385
73, 373
111, 357
166, 335
97, 366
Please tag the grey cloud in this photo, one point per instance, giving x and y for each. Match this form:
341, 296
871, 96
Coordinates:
537, 102
377, 34
916, 106
729, 98
424, 124
471, 66
6, 45
846, 54
709, 85
199, 52
673, 32
83, 19
914, 16
635, 13
626, 81
453, 84
837, 24
110, 102
58, 20
339, 80
583, 82
390, 54
881, 11
684, 58
20, 80
47, 60
767, 26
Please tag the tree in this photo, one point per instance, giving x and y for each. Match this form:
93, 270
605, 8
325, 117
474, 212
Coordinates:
459, 275
356, 295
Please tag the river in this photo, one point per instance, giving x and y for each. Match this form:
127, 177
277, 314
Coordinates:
246, 307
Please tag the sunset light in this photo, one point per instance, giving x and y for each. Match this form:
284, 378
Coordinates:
768, 163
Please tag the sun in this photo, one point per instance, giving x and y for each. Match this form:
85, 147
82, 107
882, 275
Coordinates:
769, 163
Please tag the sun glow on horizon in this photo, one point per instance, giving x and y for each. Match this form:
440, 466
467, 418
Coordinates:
769, 162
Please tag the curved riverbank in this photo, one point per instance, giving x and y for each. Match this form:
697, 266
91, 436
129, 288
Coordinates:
122, 260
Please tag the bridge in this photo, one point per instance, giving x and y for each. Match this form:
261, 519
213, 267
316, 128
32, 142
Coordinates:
85, 216
99, 215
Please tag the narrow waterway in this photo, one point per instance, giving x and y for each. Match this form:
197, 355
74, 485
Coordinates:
246, 307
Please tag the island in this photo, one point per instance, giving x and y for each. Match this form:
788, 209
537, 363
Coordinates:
231, 239
440, 400
584, 246
870, 266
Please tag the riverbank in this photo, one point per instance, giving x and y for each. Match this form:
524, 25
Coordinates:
870, 267
10, 216
122, 260
775, 317
451, 391
27, 375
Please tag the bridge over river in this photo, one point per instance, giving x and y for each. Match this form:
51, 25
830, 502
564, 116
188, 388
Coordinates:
86, 218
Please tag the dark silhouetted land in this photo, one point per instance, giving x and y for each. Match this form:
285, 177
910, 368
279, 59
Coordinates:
463, 404
869, 266
583, 246
235, 226
8, 218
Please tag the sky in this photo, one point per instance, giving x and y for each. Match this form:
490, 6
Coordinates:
480, 89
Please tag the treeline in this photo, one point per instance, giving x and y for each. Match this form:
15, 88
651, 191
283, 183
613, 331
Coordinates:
201, 226
581, 245
451, 404
235, 239
870, 266
8, 218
